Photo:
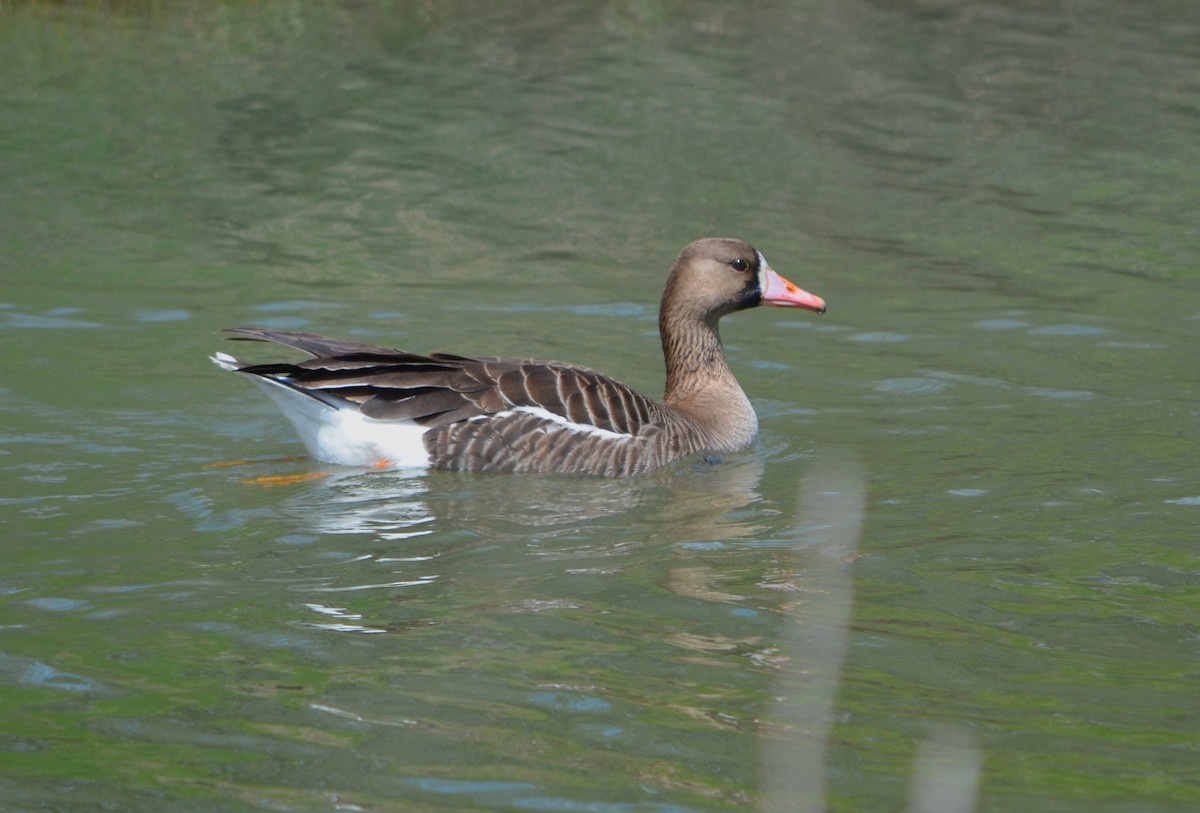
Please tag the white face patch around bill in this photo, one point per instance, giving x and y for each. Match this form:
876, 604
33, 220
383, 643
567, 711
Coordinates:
763, 267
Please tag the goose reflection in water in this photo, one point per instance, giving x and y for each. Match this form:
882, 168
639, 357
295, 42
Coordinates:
685, 503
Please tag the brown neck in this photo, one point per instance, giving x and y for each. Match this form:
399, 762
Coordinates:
701, 386
694, 356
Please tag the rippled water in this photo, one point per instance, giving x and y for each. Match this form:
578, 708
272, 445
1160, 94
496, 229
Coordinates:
961, 563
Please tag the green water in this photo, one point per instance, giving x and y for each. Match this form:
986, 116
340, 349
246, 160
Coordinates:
970, 524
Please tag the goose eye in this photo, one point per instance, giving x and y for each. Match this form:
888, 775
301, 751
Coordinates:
740, 265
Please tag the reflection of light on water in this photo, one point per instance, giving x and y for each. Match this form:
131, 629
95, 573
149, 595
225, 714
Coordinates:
397, 505
336, 612
423, 580
388, 505
346, 628
339, 626
346, 714
384, 506
549, 518
699, 582
692, 501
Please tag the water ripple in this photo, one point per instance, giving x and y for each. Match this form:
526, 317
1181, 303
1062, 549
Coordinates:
911, 386
1068, 330
30, 672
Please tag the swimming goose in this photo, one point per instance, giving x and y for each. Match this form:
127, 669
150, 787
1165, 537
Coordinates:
362, 405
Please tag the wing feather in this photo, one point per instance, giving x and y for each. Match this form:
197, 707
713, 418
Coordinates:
442, 389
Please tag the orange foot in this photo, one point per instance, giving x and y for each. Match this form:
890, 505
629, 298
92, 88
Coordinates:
276, 480
228, 464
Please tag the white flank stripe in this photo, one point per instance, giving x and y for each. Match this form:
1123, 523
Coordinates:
547, 415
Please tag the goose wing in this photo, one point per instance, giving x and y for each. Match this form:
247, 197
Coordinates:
439, 389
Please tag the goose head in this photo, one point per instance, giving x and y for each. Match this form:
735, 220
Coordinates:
719, 275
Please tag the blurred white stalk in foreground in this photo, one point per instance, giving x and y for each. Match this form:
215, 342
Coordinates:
828, 524
945, 774
827, 528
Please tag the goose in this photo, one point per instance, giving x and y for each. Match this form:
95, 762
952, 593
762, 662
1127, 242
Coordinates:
359, 404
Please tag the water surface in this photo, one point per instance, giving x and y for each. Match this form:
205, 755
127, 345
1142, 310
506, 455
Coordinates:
998, 202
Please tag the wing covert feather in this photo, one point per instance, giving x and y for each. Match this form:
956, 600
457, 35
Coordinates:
441, 388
